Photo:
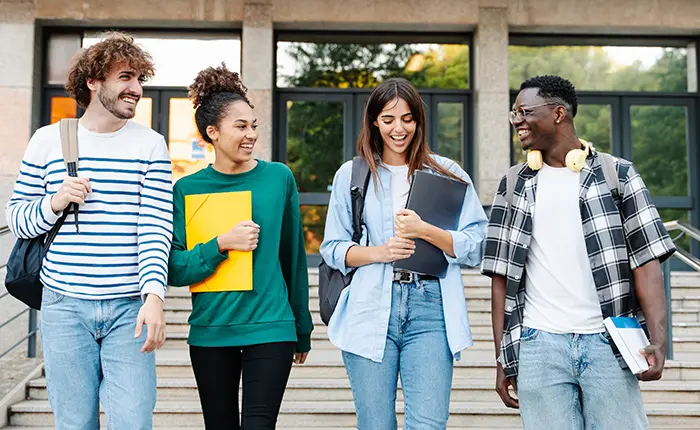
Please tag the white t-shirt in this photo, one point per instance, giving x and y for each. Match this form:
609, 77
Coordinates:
399, 186
560, 294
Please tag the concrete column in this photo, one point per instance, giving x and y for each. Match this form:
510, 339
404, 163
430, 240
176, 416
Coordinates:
492, 99
257, 68
16, 75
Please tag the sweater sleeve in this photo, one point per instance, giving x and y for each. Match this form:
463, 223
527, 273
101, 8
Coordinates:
294, 269
155, 223
28, 211
187, 267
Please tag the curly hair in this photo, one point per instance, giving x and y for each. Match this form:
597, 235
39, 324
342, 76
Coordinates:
96, 62
212, 92
555, 88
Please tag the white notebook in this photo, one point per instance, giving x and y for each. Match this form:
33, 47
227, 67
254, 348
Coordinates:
629, 338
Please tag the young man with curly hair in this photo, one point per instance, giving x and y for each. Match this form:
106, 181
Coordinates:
566, 249
104, 281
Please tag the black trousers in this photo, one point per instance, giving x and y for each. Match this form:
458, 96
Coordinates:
265, 369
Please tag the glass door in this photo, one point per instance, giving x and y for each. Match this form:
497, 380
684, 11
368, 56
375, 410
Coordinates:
314, 140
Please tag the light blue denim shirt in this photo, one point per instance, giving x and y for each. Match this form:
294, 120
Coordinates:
360, 322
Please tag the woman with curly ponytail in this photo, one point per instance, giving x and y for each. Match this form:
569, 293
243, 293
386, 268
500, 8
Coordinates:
257, 333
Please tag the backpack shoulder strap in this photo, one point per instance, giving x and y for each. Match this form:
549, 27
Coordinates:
510, 183
607, 162
69, 147
358, 190
511, 179
69, 144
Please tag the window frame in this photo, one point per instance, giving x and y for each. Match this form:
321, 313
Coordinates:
621, 102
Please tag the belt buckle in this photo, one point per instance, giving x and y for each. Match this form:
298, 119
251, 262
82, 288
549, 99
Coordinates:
406, 277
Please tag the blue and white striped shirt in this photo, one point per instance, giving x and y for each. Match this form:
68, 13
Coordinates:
126, 222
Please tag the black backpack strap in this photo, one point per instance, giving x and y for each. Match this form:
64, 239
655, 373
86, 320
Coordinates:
358, 190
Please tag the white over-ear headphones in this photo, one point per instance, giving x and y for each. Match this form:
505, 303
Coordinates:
575, 159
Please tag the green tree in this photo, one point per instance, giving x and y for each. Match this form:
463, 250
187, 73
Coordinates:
315, 129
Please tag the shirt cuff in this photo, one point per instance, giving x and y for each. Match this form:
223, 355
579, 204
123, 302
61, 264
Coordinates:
340, 253
303, 343
47, 212
211, 255
153, 287
457, 240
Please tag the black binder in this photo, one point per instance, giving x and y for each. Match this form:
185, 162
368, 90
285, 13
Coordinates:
437, 200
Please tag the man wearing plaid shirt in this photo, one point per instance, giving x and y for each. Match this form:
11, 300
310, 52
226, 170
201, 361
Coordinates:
568, 251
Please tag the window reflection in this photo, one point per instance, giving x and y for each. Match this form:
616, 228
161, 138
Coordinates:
63, 107
144, 112
169, 50
187, 151
314, 222
660, 148
353, 65
314, 143
451, 131
603, 68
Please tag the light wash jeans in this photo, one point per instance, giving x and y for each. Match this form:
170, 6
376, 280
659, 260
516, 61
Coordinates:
574, 381
417, 349
92, 357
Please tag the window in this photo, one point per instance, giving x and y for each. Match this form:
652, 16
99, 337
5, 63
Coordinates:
164, 106
637, 100
323, 83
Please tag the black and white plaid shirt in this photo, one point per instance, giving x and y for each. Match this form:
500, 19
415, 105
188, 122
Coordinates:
618, 240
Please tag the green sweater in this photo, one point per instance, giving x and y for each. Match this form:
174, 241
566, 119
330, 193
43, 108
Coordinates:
277, 309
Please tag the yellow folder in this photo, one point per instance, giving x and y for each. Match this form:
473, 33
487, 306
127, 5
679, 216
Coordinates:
210, 215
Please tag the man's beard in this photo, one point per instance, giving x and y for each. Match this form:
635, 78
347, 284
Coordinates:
109, 100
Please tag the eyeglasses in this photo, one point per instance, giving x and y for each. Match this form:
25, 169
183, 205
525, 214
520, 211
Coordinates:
522, 112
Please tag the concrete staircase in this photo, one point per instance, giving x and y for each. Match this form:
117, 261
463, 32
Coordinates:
319, 396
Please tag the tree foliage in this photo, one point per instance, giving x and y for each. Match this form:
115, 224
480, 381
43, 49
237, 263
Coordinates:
315, 129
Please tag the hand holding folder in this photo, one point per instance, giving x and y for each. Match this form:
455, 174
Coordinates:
210, 215
438, 201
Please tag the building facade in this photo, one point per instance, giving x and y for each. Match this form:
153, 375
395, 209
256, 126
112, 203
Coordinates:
310, 64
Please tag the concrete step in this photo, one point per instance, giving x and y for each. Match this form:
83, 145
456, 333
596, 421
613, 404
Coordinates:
685, 315
181, 314
177, 413
686, 302
686, 344
479, 304
328, 364
474, 303
482, 338
686, 329
474, 390
319, 340
325, 364
682, 283
177, 323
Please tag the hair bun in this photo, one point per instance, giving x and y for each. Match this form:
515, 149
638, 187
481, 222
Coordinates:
211, 81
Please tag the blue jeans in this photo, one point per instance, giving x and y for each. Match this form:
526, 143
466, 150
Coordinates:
91, 356
417, 349
574, 381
